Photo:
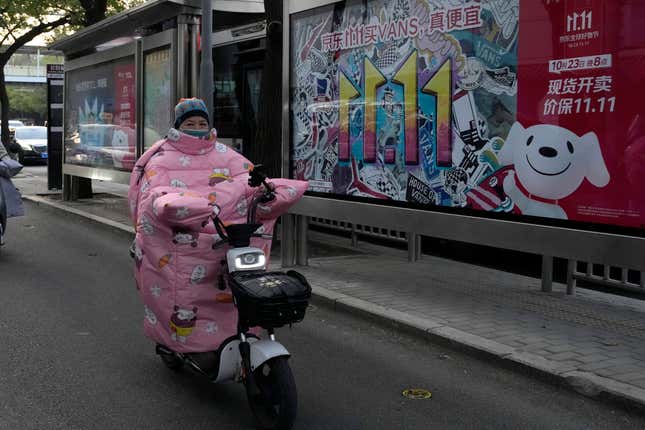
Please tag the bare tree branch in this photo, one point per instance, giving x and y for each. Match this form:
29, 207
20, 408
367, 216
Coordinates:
28, 36
4, 59
9, 33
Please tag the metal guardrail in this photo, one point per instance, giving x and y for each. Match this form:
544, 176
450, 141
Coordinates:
413, 240
357, 229
10, 70
609, 276
627, 279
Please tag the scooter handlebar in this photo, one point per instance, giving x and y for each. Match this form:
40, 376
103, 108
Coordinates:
257, 177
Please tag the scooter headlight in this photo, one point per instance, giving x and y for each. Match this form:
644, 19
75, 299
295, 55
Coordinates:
250, 260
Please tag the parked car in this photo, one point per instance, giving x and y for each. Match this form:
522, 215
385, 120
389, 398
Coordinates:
102, 145
32, 142
14, 123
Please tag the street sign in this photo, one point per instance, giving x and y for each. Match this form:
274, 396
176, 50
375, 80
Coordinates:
55, 97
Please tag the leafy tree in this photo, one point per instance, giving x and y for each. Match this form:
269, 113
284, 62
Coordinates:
28, 101
22, 21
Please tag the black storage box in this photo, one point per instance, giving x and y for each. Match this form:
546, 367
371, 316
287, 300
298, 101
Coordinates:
270, 299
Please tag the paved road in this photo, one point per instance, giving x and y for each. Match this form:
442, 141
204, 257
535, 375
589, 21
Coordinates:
72, 357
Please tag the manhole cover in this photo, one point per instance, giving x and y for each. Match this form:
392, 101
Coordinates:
417, 393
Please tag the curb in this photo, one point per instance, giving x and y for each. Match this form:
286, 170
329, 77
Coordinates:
585, 383
96, 219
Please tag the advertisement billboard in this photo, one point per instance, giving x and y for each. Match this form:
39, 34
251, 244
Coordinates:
157, 118
521, 107
100, 122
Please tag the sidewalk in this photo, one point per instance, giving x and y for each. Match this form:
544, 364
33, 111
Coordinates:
593, 342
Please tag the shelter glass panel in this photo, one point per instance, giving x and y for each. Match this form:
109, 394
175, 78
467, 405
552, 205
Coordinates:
238, 75
157, 105
100, 115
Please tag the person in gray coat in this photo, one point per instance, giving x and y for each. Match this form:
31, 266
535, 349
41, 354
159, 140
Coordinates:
3, 151
10, 198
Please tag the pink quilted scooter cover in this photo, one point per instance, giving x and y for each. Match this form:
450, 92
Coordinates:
174, 188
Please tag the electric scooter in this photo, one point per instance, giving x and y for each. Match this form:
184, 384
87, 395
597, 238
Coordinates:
263, 299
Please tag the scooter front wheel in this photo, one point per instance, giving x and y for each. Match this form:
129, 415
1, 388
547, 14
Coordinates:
276, 404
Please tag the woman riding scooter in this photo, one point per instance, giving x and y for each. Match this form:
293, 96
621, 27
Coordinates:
175, 189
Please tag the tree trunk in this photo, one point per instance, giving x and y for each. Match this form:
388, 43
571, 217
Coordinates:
267, 149
4, 109
4, 59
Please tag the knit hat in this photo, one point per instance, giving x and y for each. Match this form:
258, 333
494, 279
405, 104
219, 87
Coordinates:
190, 107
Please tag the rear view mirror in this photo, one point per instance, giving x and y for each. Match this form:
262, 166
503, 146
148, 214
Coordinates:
257, 176
13, 147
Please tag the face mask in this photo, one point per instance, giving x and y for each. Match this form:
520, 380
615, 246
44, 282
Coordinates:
196, 133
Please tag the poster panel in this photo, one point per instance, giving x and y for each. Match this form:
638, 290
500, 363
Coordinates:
100, 116
157, 107
525, 107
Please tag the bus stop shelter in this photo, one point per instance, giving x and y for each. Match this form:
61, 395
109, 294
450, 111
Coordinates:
124, 75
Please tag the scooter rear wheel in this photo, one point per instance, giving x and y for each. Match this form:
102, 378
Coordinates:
276, 405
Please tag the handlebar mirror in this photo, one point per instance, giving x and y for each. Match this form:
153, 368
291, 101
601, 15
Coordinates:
257, 176
13, 147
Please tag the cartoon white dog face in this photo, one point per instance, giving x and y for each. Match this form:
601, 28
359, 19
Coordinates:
183, 238
551, 162
198, 274
185, 314
178, 183
150, 316
119, 139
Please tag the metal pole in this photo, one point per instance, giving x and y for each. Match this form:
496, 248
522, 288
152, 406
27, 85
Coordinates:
173, 73
412, 247
194, 60
67, 188
287, 240
547, 273
139, 64
354, 236
302, 252
181, 78
571, 279
286, 129
206, 79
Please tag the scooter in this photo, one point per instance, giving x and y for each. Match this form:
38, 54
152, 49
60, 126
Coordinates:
263, 299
